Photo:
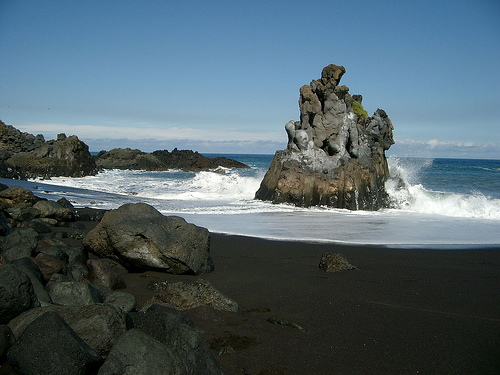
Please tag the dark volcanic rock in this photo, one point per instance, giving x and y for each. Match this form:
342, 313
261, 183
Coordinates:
16, 293
24, 155
161, 160
135, 352
334, 262
140, 237
176, 331
17, 196
49, 346
64, 322
13, 141
335, 154
189, 295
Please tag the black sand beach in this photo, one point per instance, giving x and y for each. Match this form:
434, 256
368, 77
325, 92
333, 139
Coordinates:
401, 312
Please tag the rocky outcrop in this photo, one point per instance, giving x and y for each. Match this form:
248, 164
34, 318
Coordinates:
189, 295
50, 346
334, 262
162, 160
140, 237
59, 312
335, 154
24, 155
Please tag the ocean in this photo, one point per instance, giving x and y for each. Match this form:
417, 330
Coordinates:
437, 203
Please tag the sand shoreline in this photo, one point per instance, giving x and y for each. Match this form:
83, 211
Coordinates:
402, 312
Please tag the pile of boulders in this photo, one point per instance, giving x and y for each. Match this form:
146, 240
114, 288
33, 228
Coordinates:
24, 155
62, 307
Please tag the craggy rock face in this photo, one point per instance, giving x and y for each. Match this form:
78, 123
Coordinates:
24, 155
335, 154
140, 237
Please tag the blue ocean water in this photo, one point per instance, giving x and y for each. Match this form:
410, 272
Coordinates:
443, 203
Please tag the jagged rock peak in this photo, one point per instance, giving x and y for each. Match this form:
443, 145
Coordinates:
335, 153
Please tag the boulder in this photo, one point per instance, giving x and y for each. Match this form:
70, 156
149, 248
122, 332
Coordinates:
65, 203
102, 272
160, 320
17, 196
49, 346
50, 265
30, 269
140, 237
176, 331
22, 213
77, 262
16, 293
334, 263
135, 352
100, 325
54, 210
22, 321
188, 295
335, 154
57, 251
65, 291
19, 244
123, 300
6, 341
37, 225
4, 225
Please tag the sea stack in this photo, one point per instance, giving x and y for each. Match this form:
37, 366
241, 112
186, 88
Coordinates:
335, 154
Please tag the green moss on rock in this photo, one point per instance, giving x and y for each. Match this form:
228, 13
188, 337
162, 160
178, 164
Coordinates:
359, 110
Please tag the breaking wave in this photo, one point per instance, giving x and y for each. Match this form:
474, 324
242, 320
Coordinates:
407, 192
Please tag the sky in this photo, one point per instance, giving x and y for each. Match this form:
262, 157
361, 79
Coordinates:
224, 76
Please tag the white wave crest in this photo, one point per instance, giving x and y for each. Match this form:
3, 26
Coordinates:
406, 193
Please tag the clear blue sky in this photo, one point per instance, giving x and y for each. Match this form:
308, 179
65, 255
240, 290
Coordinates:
224, 76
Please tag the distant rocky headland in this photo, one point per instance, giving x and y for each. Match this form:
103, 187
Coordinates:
24, 155
336, 152
161, 160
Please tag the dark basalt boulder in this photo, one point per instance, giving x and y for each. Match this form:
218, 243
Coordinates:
335, 154
140, 237
161, 160
24, 155
49, 346
58, 313
175, 330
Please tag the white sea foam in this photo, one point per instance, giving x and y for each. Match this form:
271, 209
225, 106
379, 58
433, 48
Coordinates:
223, 202
406, 193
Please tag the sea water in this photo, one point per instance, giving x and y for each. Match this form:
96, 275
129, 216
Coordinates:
444, 203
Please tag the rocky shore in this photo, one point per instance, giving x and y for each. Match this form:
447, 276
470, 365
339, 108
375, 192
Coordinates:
161, 160
335, 154
63, 308
75, 298
24, 156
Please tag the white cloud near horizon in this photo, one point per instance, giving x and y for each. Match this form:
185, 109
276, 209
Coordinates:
142, 131
438, 148
149, 138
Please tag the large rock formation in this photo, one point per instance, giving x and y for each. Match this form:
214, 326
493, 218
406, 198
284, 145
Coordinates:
335, 153
187, 160
58, 316
23, 155
140, 237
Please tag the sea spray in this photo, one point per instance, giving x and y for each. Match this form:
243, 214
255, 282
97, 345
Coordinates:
436, 202
407, 192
